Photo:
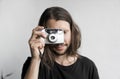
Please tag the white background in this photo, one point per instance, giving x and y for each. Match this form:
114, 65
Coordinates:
99, 21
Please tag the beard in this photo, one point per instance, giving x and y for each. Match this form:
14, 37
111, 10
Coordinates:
62, 51
59, 54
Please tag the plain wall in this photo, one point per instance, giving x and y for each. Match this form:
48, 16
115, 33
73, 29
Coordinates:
99, 21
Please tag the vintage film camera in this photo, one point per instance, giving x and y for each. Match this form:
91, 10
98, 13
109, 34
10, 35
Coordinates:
54, 36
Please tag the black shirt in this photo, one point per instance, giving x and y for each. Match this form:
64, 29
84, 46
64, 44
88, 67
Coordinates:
83, 68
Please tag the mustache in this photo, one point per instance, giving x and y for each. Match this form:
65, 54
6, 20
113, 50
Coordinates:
60, 44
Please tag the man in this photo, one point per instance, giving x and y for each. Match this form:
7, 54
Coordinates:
57, 61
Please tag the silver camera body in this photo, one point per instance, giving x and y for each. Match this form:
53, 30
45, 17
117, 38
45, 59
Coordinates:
54, 36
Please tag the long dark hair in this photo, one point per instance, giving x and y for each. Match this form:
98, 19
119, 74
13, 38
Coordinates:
59, 13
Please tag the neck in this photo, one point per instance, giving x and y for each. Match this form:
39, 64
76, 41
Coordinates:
65, 60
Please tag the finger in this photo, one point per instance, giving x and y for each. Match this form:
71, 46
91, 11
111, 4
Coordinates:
38, 34
38, 28
37, 43
36, 46
42, 40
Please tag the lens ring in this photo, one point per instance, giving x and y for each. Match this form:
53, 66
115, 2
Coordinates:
52, 38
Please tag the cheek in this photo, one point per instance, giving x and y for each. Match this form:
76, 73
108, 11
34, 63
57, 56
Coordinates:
67, 38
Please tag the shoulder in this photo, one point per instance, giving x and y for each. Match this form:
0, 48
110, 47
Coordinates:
89, 66
28, 60
85, 61
27, 63
25, 67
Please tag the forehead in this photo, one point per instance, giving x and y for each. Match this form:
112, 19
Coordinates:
58, 24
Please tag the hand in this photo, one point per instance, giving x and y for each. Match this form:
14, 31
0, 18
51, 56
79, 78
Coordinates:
36, 43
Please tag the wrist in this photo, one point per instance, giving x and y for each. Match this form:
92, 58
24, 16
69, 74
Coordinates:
36, 59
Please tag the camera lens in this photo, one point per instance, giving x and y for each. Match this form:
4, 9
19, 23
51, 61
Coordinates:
52, 38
